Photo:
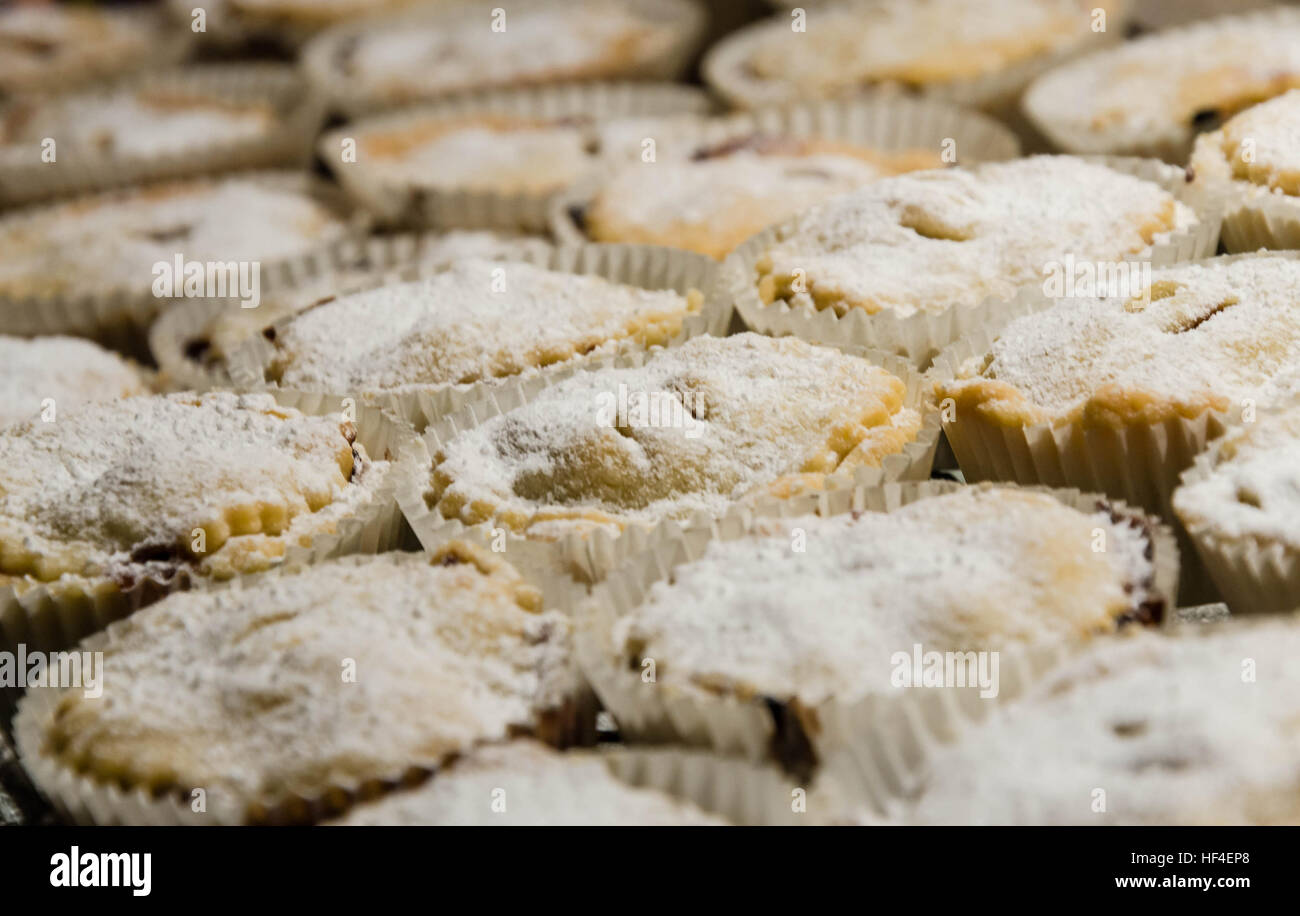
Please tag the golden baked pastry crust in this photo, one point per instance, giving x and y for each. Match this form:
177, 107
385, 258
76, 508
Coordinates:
738, 416
214, 485
931, 241
1216, 335
292, 696
977, 569
715, 200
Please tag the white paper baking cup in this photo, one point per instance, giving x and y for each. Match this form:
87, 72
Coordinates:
1172, 143
1254, 575
48, 616
879, 122
1139, 464
24, 178
1256, 219
82, 799
353, 98
870, 747
644, 266
745, 793
119, 316
922, 335
401, 203
589, 557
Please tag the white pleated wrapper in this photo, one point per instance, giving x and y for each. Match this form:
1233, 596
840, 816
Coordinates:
644, 266
1255, 219
747, 794
408, 205
740, 791
878, 122
869, 748
921, 335
1138, 463
590, 557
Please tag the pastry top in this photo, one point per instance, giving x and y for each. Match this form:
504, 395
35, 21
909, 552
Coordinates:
715, 200
477, 320
1166, 87
675, 136
507, 154
133, 122
693, 429
1201, 728
308, 14
115, 241
524, 783
409, 58
1258, 150
217, 483
347, 673
43, 42
815, 608
1253, 489
912, 43
1220, 335
65, 370
230, 327
934, 240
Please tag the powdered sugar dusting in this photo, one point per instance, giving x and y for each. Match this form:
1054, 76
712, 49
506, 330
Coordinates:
724, 200
931, 241
109, 485
130, 123
245, 691
525, 158
476, 320
539, 42
1254, 489
976, 570
1170, 727
66, 370
915, 42
751, 409
232, 326
93, 245
1157, 85
1259, 149
1225, 333
541, 788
